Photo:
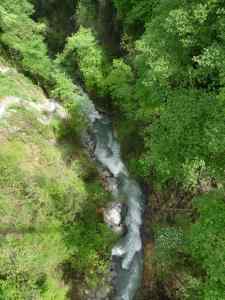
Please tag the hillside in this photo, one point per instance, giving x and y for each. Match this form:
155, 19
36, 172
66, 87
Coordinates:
44, 187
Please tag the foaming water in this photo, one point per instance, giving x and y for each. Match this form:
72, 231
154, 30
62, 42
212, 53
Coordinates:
127, 253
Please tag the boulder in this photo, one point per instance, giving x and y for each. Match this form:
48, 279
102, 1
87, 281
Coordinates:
113, 216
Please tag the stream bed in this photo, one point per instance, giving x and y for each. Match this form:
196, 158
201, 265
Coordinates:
127, 254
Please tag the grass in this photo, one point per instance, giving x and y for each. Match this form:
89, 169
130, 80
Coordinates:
13, 83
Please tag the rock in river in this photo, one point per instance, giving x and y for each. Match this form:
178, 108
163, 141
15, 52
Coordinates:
113, 216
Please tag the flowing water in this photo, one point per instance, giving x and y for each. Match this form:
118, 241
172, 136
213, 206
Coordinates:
128, 252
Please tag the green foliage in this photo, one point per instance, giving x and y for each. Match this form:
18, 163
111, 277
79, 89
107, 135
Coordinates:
86, 13
28, 262
188, 137
169, 87
83, 48
170, 90
50, 196
168, 242
207, 244
90, 239
119, 83
134, 12
31, 243
59, 20
64, 88
68, 92
195, 252
40, 193
23, 37
19, 86
24, 40
49, 207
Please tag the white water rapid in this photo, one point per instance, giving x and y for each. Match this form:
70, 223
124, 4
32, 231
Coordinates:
128, 252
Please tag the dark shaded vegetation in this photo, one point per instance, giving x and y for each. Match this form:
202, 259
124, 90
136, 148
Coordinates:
59, 17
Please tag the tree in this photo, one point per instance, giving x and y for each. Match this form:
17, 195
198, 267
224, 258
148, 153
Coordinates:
83, 50
207, 243
187, 140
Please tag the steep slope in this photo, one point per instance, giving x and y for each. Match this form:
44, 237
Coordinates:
42, 195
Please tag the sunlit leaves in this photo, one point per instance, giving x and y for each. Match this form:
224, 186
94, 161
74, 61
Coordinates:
190, 128
207, 244
84, 48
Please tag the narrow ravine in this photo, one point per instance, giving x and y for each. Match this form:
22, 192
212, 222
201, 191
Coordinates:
89, 216
127, 254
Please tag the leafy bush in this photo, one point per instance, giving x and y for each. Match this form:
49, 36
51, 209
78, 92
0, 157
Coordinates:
83, 49
207, 243
23, 36
195, 253
168, 243
119, 83
188, 138
89, 238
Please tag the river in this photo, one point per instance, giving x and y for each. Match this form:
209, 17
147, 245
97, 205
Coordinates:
128, 252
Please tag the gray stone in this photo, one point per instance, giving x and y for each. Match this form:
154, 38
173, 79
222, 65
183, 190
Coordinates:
113, 216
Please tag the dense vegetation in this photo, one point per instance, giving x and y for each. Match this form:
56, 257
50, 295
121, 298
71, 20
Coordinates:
170, 87
50, 191
166, 89
48, 203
